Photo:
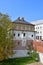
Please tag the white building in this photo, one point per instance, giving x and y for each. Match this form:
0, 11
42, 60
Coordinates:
39, 29
23, 34
39, 37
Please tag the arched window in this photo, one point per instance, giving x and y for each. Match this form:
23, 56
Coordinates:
24, 34
14, 34
18, 34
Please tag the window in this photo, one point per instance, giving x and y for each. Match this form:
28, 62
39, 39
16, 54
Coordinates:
14, 34
40, 32
37, 37
36, 27
23, 34
40, 37
32, 35
37, 32
40, 27
18, 35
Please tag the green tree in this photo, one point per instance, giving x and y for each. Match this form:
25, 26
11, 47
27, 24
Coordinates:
5, 37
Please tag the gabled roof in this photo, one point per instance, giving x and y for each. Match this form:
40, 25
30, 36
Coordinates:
22, 21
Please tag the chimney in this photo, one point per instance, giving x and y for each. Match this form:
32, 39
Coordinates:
19, 18
22, 18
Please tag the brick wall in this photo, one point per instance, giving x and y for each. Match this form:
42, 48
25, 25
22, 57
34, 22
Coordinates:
18, 45
38, 46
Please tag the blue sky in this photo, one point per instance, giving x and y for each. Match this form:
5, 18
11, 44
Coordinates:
29, 9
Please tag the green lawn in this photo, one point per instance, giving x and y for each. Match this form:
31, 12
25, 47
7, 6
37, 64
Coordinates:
17, 61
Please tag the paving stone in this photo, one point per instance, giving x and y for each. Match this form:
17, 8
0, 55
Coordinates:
36, 63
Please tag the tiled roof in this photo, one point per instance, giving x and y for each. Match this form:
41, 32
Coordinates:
22, 21
37, 22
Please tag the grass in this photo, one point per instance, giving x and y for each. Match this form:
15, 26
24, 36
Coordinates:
17, 61
20, 61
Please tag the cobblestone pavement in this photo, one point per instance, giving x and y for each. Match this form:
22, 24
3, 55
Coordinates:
36, 63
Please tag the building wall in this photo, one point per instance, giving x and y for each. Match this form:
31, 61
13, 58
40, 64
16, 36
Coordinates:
27, 27
39, 29
20, 53
28, 35
20, 45
41, 57
38, 46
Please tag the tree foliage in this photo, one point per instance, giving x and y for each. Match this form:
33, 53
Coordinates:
5, 36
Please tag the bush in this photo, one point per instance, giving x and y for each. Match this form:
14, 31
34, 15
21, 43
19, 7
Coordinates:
35, 56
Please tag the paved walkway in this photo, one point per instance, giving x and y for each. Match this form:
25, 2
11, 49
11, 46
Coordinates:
36, 63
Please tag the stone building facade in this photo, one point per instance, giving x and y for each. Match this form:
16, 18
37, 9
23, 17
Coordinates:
39, 29
23, 34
